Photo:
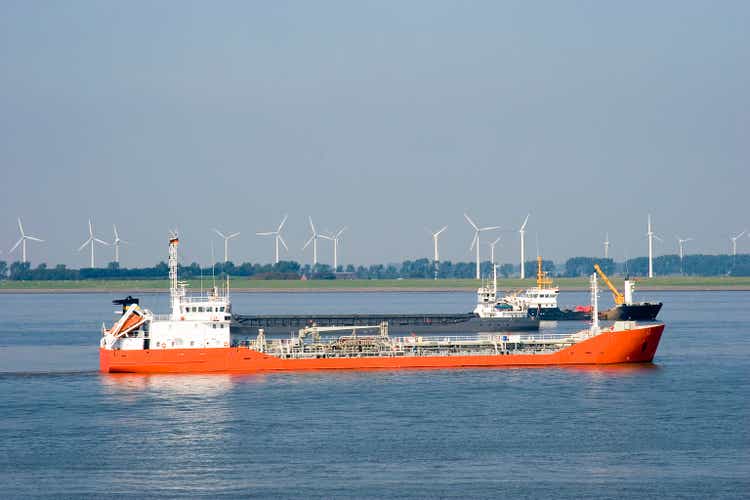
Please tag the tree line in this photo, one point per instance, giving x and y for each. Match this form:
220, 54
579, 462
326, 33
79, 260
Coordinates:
690, 265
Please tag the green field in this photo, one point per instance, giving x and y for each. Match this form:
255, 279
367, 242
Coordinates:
244, 284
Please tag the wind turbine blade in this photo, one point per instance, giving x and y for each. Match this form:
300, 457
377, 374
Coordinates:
309, 241
16, 245
32, 238
283, 221
340, 231
219, 233
495, 242
84, 244
283, 242
474, 241
91, 229
523, 226
489, 228
471, 222
117, 237
443, 229
270, 233
312, 227
20, 226
101, 242
657, 237
233, 235
325, 237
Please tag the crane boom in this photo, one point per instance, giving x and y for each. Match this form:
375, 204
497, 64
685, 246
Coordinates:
618, 297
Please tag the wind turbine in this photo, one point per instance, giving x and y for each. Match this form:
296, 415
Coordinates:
475, 241
734, 242
606, 245
492, 249
22, 241
90, 241
226, 242
522, 231
277, 237
314, 240
651, 237
681, 242
436, 259
335, 238
116, 243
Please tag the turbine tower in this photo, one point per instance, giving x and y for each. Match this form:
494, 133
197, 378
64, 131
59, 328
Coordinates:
314, 240
651, 237
436, 255
277, 237
22, 241
734, 242
492, 249
90, 241
681, 242
226, 242
116, 243
475, 241
606, 245
522, 232
335, 238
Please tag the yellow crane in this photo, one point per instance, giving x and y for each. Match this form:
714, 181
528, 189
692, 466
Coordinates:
619, 298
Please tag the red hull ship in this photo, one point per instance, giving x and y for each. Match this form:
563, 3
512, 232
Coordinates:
609, 347
195, 338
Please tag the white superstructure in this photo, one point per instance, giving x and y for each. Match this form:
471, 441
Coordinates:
542, 296
488, 306
195, 321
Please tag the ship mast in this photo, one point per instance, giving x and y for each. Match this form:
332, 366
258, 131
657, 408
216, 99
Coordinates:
494, 281
594, 305
174, 292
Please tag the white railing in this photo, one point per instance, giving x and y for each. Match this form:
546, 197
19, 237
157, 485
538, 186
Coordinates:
192, 299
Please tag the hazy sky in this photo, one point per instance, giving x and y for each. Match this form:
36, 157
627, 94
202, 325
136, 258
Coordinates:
386, 117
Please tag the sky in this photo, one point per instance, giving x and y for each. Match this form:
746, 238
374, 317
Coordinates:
385, 117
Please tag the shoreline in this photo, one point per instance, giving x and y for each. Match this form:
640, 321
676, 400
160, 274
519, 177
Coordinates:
374, 289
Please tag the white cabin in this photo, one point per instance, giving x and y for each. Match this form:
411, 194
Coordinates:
195, 321
488, 306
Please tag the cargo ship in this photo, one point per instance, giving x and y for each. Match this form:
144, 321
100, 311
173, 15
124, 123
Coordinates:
195, 338
625, 308
489, 315
541, 302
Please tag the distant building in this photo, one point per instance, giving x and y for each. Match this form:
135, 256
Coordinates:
344, 275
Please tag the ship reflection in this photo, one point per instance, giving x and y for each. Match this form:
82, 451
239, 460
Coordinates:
610, 371
181, 385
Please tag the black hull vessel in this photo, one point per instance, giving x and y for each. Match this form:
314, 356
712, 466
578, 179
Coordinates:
399, 324
644, 311
557, 314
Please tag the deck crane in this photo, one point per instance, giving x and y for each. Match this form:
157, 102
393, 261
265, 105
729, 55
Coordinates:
618, 297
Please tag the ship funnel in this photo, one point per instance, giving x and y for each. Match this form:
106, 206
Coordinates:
629, 287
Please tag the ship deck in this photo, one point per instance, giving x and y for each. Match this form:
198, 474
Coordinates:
384, 346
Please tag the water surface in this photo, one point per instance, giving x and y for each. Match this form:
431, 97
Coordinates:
676, 429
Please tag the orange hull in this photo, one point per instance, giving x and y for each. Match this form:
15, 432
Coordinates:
628, 346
